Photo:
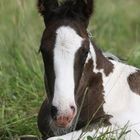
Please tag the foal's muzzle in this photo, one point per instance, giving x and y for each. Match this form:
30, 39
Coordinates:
63, 120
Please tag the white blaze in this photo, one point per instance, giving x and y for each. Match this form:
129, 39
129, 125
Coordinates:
66, 45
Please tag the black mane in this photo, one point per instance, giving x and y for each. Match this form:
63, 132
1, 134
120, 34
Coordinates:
68, 9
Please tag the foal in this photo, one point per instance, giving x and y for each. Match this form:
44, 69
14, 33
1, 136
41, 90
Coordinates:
83, 86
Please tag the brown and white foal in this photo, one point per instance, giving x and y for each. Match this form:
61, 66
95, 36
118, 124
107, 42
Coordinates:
80, 81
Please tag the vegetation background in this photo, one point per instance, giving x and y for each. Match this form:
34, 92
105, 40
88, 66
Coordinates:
115, 26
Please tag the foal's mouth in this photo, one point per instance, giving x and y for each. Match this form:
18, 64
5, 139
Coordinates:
64, 121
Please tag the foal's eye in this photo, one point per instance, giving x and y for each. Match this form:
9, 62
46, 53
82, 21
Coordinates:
85, 52
84, 55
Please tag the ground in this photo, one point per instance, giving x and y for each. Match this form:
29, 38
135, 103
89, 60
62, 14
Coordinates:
115, 27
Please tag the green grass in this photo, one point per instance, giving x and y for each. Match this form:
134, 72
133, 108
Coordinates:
115, 26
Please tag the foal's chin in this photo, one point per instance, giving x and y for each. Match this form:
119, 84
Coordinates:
63, 126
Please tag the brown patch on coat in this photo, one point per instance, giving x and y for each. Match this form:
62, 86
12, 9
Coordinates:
92, 109
103, 62
80, 58
134, 82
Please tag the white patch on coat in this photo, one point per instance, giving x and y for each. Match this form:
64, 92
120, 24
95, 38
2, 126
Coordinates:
66, 45
96, 132
93, 56
120, 101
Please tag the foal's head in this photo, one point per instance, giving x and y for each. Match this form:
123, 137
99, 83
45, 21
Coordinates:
64, 47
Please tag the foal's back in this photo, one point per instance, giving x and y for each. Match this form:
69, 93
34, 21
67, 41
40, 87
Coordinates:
122, 95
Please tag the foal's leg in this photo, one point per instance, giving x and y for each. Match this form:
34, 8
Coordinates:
70, 136
108, 133
80, 135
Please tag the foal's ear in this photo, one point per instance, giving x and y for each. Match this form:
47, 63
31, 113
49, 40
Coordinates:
85, 8
45, 7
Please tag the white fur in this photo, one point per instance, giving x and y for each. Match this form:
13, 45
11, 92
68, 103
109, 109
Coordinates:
81, 135
120, 101
66, 45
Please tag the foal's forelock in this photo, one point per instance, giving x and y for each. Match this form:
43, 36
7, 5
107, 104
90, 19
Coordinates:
67, 43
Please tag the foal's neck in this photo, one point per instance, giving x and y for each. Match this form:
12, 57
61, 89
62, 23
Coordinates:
100, 62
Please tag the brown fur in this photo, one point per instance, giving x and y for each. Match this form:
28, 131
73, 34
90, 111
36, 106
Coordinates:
103, 63
94, 99
80, 58
134, 82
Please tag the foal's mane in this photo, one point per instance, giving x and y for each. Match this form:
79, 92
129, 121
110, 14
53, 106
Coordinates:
72, 9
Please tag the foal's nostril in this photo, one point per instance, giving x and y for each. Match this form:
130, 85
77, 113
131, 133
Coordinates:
53, 112
73, 108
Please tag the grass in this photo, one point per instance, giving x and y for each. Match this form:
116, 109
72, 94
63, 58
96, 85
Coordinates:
115, 27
